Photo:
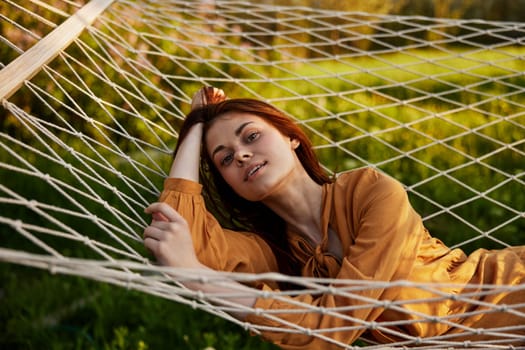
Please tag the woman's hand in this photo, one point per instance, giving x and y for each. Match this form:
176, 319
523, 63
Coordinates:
207, 95
168, 237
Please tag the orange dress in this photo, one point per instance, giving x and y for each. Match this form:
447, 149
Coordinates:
383, 239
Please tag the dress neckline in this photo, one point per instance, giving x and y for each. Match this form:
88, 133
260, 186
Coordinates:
317, 260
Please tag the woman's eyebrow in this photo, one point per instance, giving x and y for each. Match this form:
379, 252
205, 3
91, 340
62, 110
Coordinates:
241, 127
237, 133
217, 149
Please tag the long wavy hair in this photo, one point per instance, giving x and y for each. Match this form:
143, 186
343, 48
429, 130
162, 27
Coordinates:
231, 210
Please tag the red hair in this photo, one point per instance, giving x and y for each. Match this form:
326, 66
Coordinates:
233, 211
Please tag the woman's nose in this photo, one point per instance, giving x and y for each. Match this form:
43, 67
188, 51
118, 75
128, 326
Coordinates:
242, 156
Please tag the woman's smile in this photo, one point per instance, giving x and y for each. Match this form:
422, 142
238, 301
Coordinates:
254, 170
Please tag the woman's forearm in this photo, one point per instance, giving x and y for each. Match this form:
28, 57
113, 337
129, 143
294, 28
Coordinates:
186, 162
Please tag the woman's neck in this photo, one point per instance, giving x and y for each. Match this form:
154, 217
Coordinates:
299, 205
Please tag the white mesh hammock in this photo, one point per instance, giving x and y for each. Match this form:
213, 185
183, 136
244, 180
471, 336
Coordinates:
93, 95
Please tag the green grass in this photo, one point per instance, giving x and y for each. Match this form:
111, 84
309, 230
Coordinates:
40, 310
44, 311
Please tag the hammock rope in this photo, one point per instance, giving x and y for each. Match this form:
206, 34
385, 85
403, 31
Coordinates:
93, 94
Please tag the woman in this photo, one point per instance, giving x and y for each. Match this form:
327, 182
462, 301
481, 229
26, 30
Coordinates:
358, 227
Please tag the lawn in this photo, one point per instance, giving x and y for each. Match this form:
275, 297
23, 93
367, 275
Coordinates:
358, 109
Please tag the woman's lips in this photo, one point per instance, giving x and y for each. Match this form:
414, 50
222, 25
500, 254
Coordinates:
253, 169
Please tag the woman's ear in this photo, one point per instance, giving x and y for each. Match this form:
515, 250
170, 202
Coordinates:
295, 143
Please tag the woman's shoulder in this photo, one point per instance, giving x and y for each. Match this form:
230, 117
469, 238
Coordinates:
366, 181
366, 175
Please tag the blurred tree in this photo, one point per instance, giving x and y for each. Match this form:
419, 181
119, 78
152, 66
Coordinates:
494, 10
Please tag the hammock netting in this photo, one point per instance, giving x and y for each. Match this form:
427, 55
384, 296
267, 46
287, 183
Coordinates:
88, 133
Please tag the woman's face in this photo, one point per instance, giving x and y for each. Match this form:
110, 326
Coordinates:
252, 156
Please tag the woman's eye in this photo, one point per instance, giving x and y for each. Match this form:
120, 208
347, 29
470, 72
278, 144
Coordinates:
252, 136
227, 159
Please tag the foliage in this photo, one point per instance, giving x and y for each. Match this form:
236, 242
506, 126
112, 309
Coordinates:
98, 316
61, 312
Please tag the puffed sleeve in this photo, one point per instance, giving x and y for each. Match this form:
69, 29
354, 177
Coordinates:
216, 247
383, 233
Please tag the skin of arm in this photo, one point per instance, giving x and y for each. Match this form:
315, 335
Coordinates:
168, 236
186, 162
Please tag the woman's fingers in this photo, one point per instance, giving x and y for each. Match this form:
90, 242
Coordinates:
153, 231
157, 216
151, 244
163, 212
214, 95
168, 237
207, 95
